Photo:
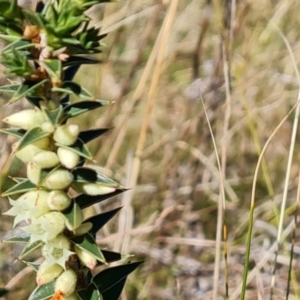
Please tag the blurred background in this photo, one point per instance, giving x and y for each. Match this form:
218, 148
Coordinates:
199, 87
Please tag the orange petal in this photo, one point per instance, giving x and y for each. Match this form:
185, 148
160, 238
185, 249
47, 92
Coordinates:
58, 296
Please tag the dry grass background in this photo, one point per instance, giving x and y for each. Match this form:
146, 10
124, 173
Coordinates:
162, 58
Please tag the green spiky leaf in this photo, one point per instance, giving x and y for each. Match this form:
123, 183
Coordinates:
9, 38
22, 238
111, 256
100, 220
83, 174
109, 278
10, 88
86, 200
70, 72
45, 173
34, 100
43, 292
53, 68
16, 132
90, 293
114, 293
89, 135
33, 18
78, 147
19, 188
72, 88
79, 60
19, 44
17, 63
78, 108
31, 136
26, 89
54, 115
87, 243
30, 248
71, 214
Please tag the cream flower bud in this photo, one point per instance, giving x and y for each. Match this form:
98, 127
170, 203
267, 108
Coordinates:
46, 273
58, 200
27, 152
26, 119
92, 188
84, 228
66, 283
46, 159
86, 258
33, 172
73, 296
59, 180
66, 134
68, 158
48, 127
36, 202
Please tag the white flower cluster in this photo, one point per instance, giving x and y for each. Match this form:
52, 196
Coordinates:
42, 207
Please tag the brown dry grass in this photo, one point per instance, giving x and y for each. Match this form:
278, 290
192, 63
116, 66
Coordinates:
161, 58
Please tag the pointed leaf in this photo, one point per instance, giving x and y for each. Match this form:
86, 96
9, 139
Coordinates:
54, 115
45, 173
33, 18
53, 68
19, 45
34, 100
78, 108
114, 293
11, 166
82, 174
111, 256
31, 136
22, 187
90, 293
70, 72
18, 179
87, 243
79, 60
9, 38
65, 101
70, 87
16, 132
43, 292
25, 90
100, 220
108, 278
11, 88
78, 147
22, 238
71, 214
89, 135
86, 200
3, 292
30, 248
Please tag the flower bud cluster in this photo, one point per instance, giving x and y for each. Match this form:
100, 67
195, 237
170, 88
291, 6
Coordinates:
49, 162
